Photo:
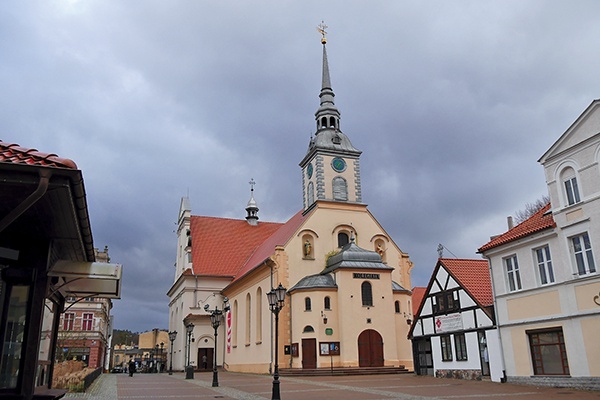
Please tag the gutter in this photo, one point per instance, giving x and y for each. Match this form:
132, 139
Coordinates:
33, 198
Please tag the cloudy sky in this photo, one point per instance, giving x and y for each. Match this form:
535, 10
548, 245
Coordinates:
452, 104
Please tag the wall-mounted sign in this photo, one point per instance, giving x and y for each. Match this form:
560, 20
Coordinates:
358, 275
329, 348
448, 323
329, 331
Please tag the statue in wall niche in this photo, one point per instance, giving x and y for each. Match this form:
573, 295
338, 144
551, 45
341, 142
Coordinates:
380, 249
307, 248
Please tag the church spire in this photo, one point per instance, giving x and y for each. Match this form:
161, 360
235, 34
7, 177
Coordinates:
327, 115
331, 168
252, 208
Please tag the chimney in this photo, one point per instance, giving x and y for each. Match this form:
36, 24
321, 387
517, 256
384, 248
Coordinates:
509, 219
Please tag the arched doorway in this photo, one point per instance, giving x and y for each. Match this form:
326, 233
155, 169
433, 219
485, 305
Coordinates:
370, 349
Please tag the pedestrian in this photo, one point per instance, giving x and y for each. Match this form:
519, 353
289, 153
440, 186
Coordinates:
204, 362
131, 366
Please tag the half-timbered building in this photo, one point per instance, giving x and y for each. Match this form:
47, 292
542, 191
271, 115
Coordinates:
454, 332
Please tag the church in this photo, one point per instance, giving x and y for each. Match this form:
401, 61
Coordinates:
348, 299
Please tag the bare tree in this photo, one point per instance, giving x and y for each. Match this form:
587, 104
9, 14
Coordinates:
530, 209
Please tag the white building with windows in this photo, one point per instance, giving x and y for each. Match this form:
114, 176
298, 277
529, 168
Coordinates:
544, 270
454, 332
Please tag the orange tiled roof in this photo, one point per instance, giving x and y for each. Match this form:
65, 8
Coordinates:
537, 222
473, 276
418, 292
15, 154
220, 246
267, 247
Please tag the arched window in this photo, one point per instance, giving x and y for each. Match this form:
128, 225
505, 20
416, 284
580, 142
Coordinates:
340, 189
307, 305
327, 303
343, 239
234, 333
248, 317
571, 187
397, 307
367, 294
259, 315
332, 122
311, 193
307, 329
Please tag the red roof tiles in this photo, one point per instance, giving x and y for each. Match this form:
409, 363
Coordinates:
231, 247
15, 154
418, 292
220, 246
473, 276
539, 221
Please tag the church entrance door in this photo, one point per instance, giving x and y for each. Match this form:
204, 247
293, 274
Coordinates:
309, 353
370, 349
210, 356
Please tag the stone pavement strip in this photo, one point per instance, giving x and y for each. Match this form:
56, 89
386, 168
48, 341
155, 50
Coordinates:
258, 387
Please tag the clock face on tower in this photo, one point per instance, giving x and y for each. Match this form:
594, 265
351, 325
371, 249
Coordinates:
338, 164
309, 171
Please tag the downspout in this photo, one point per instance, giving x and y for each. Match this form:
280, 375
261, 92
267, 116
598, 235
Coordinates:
39, 192
503, 379
272, 327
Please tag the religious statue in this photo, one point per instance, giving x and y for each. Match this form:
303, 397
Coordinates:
307, 248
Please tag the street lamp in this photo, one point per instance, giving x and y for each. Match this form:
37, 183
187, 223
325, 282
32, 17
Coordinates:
276, 300
172, 336
189, 370
162, 358
215, 320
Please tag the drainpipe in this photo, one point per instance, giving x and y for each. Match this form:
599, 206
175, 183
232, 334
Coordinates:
503, 378
41, 189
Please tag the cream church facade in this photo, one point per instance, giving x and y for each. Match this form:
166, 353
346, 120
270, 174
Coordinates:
348, 302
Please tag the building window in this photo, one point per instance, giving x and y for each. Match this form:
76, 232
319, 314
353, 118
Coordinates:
340, 189
367, 294
307, 304
460, 347
446, 302
68, 321
248, 317
259, 309
544, 262
582, 251
513, 277
311, 193
327, 303
548, 352
397, 307
308, 329
343, 239
88, 322
572, 191
446, 348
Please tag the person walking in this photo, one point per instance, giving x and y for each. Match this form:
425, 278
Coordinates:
131, 366
204, 362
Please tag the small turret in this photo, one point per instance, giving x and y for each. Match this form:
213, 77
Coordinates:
252, 208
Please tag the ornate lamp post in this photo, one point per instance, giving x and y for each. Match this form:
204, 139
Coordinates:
172, 336
216, 316
162, 358
189, 370
276, 301
156, 358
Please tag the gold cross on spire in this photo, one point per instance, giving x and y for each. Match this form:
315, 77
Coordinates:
321, 28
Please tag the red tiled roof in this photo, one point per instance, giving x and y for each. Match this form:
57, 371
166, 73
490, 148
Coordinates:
267, 248
220, 246
537, 222
473, 276
15, 154
418, 292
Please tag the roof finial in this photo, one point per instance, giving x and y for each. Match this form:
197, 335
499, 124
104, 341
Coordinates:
321, 28
252, 183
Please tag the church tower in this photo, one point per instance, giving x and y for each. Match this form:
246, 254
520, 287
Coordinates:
330, 168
